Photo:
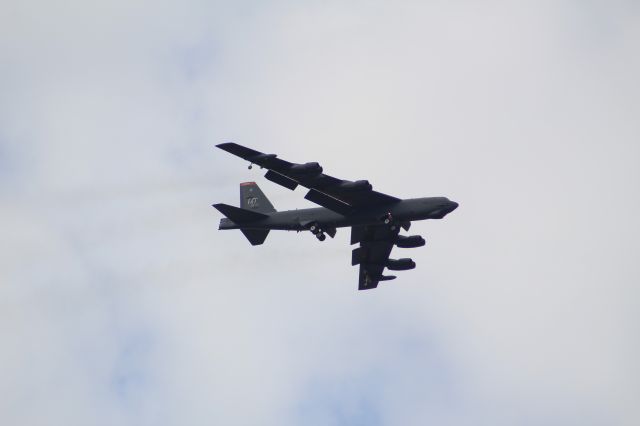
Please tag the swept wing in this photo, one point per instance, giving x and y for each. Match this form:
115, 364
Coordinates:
376, 243
339, 195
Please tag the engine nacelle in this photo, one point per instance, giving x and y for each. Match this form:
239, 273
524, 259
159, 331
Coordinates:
410, 242
387, 277
359, 185
400, 264
307, 169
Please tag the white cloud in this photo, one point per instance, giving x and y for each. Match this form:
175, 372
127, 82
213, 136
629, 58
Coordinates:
122, 304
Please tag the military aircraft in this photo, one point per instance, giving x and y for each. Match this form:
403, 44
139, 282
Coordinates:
375, 218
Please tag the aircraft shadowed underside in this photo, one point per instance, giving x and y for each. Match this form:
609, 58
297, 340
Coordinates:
375, 218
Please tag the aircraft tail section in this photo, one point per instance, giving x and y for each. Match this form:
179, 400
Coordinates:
254, 206
236, 216
253, 199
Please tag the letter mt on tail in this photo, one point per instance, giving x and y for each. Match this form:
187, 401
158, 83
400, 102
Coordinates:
252, 198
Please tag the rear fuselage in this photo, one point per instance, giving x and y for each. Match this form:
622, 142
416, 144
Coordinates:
402, 211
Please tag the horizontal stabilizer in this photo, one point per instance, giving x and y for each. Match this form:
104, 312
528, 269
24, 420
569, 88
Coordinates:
239, 215
255, 236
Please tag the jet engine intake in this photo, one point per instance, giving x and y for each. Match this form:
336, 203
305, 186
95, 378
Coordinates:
412, 241
400, 264
307, 169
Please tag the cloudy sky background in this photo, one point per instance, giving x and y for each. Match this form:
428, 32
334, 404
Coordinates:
121, 303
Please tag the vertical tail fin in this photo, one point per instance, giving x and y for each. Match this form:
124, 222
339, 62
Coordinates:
253, 199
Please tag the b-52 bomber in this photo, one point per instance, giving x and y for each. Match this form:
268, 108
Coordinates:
375, 218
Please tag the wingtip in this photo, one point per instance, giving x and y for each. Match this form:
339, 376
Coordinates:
220, 207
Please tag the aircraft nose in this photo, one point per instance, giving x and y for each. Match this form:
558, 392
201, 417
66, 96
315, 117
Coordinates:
452, 206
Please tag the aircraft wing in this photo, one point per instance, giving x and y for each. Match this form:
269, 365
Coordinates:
376, 243
339, 195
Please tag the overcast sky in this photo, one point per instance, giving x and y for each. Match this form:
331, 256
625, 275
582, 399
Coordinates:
122, 304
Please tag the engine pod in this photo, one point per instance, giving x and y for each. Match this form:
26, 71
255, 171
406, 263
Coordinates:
400, 264
412, 241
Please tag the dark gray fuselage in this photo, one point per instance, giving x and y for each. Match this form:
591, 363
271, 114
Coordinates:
402, 211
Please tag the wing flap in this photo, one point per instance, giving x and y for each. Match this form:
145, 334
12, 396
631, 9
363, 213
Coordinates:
281, 180
328, 202
357, 233
357, 256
